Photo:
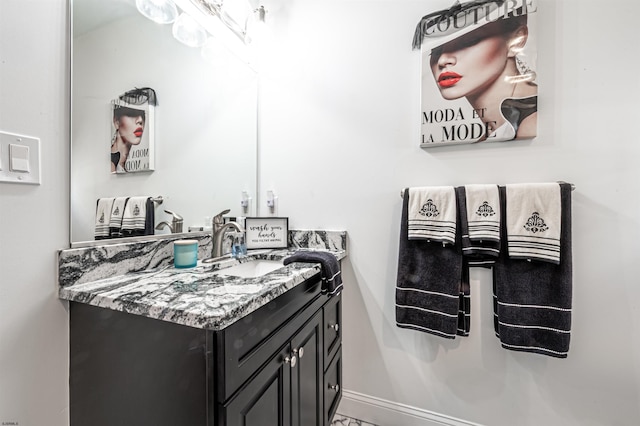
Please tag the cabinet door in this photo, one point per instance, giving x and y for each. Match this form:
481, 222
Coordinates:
265, 400
307, 375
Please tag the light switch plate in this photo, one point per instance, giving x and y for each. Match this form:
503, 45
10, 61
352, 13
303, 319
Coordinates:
25, 151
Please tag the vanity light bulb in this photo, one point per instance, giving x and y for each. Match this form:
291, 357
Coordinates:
159, 11
186, 30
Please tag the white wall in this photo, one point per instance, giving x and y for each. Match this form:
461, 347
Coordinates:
340, 125
339, 139
34, 94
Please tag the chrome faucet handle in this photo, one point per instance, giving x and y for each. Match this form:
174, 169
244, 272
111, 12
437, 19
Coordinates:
176, 216
176, 222
217, 219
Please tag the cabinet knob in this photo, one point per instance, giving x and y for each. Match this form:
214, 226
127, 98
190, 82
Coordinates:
336, 327
335, 387
299, 352
293, 360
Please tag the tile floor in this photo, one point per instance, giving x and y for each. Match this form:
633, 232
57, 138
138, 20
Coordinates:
340, 420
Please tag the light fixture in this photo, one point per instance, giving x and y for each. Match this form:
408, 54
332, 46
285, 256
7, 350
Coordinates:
232, 24
159, 11
188, 31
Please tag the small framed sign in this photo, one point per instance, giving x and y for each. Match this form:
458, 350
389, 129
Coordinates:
267, 232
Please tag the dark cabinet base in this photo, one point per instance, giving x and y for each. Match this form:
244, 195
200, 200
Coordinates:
132, 370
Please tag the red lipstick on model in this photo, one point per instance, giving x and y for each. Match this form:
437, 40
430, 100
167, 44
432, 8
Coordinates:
448, 79
138, 132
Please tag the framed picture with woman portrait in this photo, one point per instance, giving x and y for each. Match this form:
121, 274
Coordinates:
132, 141
478, 72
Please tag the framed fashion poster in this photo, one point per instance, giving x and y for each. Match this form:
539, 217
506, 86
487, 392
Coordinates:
478, 72
132, 141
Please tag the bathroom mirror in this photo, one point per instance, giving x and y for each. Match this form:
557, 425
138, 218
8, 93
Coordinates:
205, 121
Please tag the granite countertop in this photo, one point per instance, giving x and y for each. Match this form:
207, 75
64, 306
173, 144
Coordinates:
201, 297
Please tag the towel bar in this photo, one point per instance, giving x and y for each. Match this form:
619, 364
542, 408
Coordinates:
158, 200
573, 188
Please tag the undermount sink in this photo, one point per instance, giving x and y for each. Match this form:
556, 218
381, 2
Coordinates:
252, 269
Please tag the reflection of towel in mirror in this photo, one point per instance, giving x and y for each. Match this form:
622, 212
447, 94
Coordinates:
533, 298
115, 222
138, 218
103, 216
533, 221
430, 293
432, 214
329, 267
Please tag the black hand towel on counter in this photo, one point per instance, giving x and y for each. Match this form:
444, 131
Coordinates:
533, 298
329, 267
429, 291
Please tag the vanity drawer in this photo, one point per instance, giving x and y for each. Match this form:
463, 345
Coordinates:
333, 386
243, 347
332, 313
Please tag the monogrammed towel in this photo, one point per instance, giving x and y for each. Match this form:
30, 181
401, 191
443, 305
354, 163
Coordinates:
533, 221
432, 214
431, 295
479, 252
115, 222
138, 217
533, 299
103, 216
483, 212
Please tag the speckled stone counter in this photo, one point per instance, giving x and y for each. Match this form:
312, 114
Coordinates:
139, 278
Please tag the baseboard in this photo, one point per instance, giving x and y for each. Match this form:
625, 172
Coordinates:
387, 413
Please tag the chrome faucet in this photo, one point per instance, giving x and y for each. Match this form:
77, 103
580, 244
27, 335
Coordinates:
176, 223
219, 229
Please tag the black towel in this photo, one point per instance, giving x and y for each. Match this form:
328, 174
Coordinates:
429, 290
533, 298
329, 267
464, 309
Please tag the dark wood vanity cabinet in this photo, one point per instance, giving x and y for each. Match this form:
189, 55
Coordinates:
279, 366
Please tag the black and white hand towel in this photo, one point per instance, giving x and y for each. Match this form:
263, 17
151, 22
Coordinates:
484, 247
483, 212
329, 267
115, 222
533, 221
533, 299
432, 214
103, 216
138, 217
429, 290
